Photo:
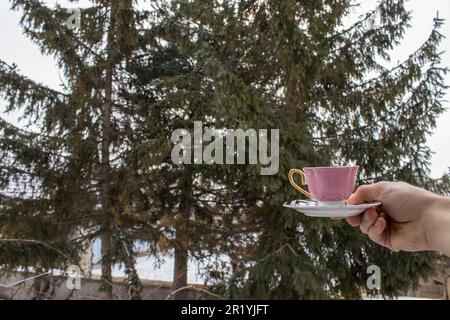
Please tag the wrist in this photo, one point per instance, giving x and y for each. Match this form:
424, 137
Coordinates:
439, 231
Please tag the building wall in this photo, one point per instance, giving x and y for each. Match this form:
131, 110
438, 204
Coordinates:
54, 287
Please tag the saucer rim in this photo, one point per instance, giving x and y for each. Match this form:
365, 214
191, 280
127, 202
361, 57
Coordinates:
346, 206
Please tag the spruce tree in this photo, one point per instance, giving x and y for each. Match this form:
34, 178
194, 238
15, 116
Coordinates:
189, 198
84, 128
294, 66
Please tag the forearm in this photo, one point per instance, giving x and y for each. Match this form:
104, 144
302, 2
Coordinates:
440, 211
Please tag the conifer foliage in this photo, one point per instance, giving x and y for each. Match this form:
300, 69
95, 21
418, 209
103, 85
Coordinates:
96, 159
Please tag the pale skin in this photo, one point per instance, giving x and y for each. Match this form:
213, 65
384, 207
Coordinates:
410, 218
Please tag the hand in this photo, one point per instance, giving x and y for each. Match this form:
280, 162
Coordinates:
409, 219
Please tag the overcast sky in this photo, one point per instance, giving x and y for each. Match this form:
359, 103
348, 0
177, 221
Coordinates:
16, 48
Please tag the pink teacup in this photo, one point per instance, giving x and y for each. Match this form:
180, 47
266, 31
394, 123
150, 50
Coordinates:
328, 185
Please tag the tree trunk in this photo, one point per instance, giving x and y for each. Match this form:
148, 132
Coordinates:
133, 282
181, 247
106, 235
180, 272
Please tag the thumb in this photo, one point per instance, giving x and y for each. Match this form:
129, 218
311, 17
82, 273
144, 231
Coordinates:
364, 193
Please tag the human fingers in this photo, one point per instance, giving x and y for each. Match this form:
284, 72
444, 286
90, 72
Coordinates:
367, 220
354, 221
365, 193
377, 231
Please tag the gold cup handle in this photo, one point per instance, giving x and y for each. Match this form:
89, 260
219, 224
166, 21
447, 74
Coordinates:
295, 185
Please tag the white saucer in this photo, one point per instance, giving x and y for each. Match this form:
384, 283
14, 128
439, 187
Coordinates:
338, 210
